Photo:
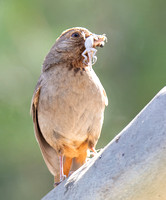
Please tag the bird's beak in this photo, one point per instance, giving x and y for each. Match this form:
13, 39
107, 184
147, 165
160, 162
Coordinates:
99, 40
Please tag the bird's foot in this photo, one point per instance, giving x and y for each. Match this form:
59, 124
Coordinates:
62, 178
56, 184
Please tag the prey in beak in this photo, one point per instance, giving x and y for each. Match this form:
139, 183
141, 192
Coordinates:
91, 42
99, 40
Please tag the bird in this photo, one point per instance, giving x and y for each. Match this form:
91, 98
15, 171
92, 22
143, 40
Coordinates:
68, 102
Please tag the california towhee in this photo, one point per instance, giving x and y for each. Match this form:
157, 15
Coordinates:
68, 102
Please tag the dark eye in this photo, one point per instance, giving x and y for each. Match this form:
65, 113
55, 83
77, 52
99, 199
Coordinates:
75, 35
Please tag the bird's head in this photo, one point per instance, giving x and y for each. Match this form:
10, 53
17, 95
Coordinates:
70, 47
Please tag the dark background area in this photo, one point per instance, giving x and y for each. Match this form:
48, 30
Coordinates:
131, 67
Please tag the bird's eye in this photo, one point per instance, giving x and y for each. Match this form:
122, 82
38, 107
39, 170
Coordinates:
75, 34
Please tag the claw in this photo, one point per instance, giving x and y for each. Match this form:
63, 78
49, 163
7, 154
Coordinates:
56, 184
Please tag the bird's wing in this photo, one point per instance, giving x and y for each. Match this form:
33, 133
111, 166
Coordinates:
49, 154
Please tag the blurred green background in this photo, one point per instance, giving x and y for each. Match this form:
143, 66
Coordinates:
131, 67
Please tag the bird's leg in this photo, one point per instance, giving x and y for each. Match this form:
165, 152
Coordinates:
62, 176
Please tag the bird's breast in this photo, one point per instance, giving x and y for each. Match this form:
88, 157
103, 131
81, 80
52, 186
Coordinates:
71, 104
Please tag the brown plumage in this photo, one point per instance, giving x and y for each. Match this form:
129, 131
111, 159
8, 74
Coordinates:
68, 104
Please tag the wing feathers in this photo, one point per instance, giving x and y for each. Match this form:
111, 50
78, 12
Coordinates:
49, 154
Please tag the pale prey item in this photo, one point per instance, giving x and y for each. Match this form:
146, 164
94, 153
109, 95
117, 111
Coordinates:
89, 54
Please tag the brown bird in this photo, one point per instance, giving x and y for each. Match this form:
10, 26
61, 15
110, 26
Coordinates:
68, 102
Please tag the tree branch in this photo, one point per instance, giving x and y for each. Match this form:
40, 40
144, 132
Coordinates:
131, 166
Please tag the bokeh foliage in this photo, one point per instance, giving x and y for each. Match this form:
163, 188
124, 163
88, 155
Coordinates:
131, 66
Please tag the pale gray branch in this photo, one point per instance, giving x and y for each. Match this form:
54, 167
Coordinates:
131, 167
